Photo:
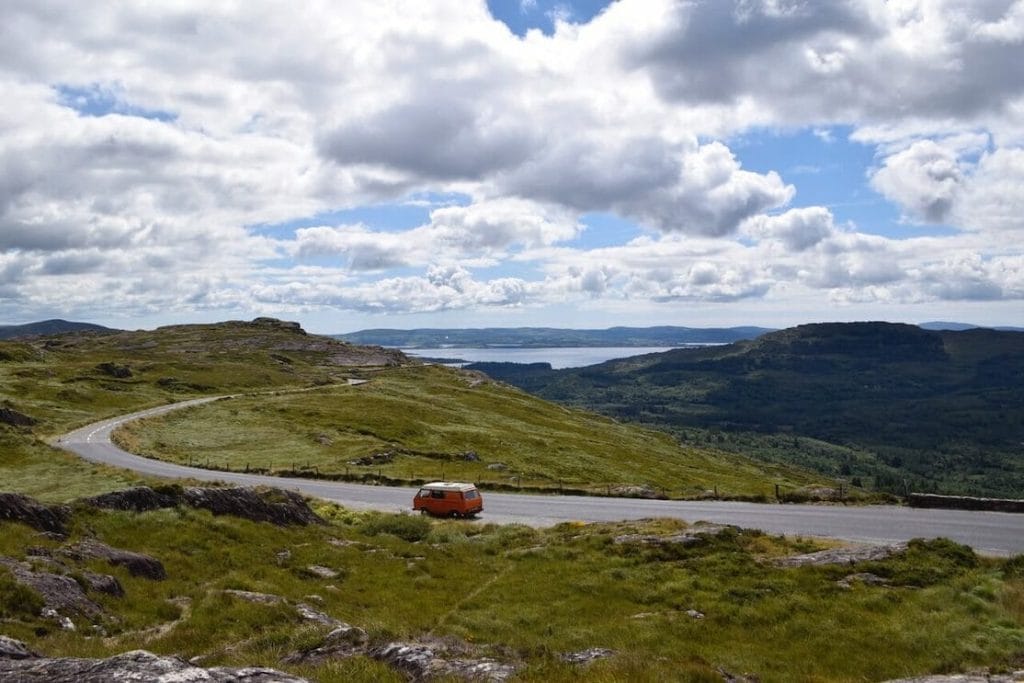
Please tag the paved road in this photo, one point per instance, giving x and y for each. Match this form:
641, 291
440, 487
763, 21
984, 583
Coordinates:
995, 533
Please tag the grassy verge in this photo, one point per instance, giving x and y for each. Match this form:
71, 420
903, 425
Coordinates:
527, 595
421, 423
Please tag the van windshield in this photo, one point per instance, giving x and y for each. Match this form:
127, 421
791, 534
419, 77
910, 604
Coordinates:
469, 495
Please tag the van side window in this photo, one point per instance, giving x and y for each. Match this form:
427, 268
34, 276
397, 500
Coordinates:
437, 494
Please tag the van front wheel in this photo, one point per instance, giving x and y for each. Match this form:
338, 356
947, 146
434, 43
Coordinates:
454, 514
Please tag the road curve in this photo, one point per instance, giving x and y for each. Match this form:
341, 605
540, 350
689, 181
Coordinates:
994, 533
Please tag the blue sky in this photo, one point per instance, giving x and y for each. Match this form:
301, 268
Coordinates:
456, 163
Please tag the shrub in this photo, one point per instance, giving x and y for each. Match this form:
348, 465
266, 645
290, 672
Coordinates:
407, 527
1013, 568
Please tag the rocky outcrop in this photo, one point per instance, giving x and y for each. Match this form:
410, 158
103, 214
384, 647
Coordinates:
274, 323
115, 370
422, 662
137, 564
15, 649
862, 578
18, 508
342, 642
698, 534
101, 583
586, 656
134, 666
426, 660
276, 506
305, 611
848, 556
634, 491
139, 499
59, 592
14, 418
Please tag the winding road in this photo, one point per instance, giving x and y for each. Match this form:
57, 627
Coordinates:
992, 533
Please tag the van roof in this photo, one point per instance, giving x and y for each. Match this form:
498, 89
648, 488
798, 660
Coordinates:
449, 486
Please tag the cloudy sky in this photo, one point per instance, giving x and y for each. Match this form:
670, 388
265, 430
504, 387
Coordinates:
514, 162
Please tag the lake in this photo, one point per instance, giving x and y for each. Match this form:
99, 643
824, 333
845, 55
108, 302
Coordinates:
559, 357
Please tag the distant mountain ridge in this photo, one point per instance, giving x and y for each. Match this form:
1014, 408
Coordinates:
941, 325
47, 327
914, 408
541, 337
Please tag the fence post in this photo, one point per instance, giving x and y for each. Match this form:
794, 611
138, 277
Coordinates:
776, 492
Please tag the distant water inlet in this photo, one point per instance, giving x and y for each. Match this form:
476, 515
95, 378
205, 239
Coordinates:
558, 357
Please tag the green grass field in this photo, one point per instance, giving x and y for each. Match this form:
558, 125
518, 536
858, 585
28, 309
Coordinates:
526, 595
429, 418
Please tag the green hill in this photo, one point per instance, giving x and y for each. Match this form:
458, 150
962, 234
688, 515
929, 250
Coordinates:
894, 404
49, 385
50, 327
429, 422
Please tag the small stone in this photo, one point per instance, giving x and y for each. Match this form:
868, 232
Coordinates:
346, 634
497, 467
586, 656
694, 614
322, 572
310, 614
254, 597
866, 578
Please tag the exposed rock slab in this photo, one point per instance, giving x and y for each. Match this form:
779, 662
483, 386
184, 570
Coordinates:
134, 666
422, 662
273, 505
305, 611
15, 649
864, 578
13, 417
848, 556
59, 592
419, 661
138, 499
276, 506
586, 656
695, 535
137, 564
18, 508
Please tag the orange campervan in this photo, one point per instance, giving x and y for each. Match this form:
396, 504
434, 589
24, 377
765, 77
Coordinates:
448, 499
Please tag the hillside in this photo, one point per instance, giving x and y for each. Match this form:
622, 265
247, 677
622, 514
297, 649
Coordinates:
419, 423
50, 385
893, 405
50, 327
546, 337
